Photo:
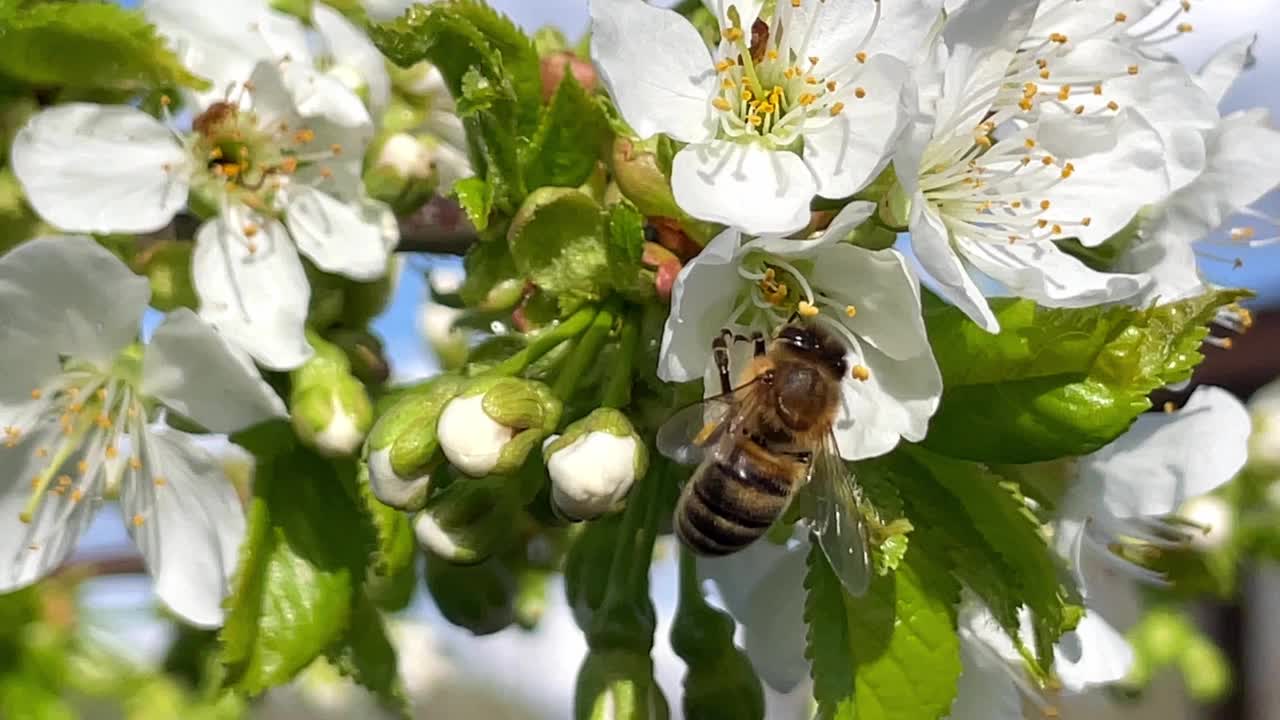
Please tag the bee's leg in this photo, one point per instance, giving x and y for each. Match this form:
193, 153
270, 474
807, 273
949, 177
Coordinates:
720, 351
758, 338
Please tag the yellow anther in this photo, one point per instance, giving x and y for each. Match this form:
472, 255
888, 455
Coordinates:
983, 140
860, 372
831, 86
138, 520
1132, 69
806, 309
746, 95
724, 65
37, 393
64, 480
304, 136
1026, 160
1087, 221
82, 467
851, 311
1242, 233
288, 166
135, 463
230, 169
112, 452
77, 495
1046, 160
722, 104
1121, 17
1169, 406
772, 54
807, 99
813, 59
810, 80
42, 452
728, 84
1186, 5
754, 120
1056, 229
796, 3
861, 57
1042, 63
1068, 170
336, 148
859, 93
1029, 142
159, 481
1015, 204
1058, 38
165, 100
837, 109
101, 394
733, 34
1064, 92
1097, 89
1044, 204
326, 173
1079, 110
1113, 105
103, 420
1042, 223
1044, 74
1185, 27
1026, 104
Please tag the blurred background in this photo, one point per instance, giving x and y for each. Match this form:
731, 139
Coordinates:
519, 674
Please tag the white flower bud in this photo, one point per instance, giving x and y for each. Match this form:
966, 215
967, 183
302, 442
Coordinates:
435, 321
471, 440
407, 157
446, 280
592, 475
1212, 514
433, 537
341, 436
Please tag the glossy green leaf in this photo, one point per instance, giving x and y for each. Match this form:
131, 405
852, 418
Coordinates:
292, 597
365, 654
1058, 382
557, 241
475, 196
570, 140
892, 654
87, 45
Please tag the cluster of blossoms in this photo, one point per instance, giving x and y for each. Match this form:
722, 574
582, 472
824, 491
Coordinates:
993, 207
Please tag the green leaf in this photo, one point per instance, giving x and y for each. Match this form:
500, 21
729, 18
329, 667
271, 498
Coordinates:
992, 541
570, 140
87, 46
557, 241
365, 654
476, 198
1058, 382
891, 654
625, 249
301, 564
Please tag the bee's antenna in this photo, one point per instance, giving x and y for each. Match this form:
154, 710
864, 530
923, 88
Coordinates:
794, 314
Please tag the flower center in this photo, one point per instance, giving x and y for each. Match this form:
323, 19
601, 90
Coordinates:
770, 90
779, 291
993, 190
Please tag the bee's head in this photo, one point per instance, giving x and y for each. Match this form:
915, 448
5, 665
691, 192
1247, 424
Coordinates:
814, 344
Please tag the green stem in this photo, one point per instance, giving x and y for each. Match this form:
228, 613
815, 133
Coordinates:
617, 390
543, 343
626, 615
586, 352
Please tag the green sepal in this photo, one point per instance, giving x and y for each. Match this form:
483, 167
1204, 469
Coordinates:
402, 451
1058, 382
557, 241
587, 564
525, 405
618, 684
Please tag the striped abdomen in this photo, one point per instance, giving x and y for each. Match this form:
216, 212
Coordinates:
734, 497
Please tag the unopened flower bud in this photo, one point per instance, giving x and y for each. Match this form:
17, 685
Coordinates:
403, 172
491, 426
594, 464
402, 451
556, 64
330, 409
470, 520
480, 598
1212, 519
618, 684
642, 181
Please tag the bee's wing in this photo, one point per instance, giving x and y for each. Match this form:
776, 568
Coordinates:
693, 430
837, 521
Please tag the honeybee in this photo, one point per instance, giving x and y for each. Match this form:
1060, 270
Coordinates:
759, 443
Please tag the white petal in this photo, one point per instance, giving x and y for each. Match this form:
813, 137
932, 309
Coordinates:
350, 47
744, 185
763, 587
748, 10
656, 67
257, 300
1169, 262
834, 31
982, 36
188, 522
1220, 72
886, 297
29, 551
985, 690
1042, 272
312, 94
190, 368
340, 237
931, 244
220, 41
1166, 458
848, 152
845, 222
1120, 167
894, 403
1093, 654
701, 301
70, 296
101, 168
1243, 165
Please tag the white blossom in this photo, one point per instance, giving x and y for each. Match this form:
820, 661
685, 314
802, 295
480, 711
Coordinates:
992, 195
282, 174
868, 299
470, 439
814, 111
592, 475
76, 405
